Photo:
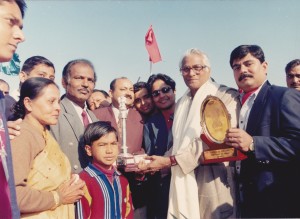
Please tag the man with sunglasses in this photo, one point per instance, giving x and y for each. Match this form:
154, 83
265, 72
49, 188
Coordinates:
292, 71
197, 190
158, 140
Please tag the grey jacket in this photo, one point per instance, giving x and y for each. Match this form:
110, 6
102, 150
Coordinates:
68, 133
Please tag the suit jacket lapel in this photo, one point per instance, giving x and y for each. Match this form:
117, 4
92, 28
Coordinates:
113, 118
92, 116
72, 117
256, 111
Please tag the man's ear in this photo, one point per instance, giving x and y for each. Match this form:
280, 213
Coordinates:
88, 150
27, 104
265, 66
64, 84
110, 93
23, 76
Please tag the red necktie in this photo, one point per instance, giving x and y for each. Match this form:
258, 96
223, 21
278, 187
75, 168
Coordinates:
85, 118
247, 95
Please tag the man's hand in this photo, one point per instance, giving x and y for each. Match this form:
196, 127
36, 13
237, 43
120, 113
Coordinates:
157, 163
239, 139
14, 128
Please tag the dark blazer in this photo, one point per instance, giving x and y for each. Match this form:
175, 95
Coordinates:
8, 201
134, 126
157, 141
157, 138
270, 176
68, 133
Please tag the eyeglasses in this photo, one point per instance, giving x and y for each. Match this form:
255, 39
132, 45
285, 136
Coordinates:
196, 68
292, 76
164, 90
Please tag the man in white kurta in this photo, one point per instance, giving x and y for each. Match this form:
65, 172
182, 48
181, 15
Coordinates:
198, 191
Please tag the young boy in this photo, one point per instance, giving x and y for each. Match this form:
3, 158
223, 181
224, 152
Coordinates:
107, 193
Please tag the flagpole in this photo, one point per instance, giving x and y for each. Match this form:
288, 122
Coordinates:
150, 67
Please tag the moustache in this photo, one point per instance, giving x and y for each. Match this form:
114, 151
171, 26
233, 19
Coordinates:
246, 75
128, 96
84, 89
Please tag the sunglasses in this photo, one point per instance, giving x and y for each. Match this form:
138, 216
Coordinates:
164, 90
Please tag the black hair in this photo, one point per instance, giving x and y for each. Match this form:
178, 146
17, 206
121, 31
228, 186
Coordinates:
169, 81
33, 61
243, 50
140, 85
106, 95
97, 130
31, 88
21, 4
291, 65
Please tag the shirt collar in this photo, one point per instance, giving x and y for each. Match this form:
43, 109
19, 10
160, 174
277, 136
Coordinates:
254, 94
99, 172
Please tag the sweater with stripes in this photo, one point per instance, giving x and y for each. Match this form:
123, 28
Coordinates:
102, 198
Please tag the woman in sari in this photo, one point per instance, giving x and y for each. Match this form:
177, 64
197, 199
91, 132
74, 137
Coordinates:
45, 187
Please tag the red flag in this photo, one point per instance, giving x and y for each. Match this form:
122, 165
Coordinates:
151, 46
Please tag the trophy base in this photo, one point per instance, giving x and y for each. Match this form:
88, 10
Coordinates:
220, 152
222, 155
129, 162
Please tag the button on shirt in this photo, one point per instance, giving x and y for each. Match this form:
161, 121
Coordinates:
244, 116
246, 109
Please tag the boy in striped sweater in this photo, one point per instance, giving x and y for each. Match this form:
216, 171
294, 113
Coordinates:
107, 193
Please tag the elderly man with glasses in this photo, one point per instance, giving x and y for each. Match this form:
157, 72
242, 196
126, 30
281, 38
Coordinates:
197, 190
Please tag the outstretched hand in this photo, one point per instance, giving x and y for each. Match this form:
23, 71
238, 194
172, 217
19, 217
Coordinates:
156, 163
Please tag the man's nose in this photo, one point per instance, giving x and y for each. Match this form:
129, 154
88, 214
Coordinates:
19, 34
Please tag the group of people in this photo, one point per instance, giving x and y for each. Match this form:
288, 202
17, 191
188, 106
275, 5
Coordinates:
58, 152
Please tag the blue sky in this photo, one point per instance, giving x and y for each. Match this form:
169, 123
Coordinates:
111, 35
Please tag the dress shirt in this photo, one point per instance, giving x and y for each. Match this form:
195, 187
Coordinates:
78, 110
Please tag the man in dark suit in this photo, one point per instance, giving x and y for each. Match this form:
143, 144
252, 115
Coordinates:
78, 79
158, 139
269, 132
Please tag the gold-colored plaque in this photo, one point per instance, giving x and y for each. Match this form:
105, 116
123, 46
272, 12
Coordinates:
215, 121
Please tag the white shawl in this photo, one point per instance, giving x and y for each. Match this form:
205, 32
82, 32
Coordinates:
183, 198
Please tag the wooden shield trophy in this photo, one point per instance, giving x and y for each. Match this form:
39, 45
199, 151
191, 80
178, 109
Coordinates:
215, 121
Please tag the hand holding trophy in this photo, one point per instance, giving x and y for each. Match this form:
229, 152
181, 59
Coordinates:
125, 160
215, 121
